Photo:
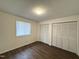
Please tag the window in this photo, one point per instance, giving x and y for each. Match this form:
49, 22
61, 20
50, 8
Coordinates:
23, 28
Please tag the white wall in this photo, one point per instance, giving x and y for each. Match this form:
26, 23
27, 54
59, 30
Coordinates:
8, 39
65, 19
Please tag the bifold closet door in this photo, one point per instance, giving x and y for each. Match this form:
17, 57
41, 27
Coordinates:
65, 36
44, 33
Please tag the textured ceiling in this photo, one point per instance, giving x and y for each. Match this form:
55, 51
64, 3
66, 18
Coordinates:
54, 8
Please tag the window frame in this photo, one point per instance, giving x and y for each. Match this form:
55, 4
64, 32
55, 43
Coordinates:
26, 34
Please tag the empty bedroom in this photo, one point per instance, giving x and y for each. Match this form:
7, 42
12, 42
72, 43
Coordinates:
39, 29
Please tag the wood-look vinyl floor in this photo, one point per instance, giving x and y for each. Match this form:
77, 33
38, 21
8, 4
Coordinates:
39, 50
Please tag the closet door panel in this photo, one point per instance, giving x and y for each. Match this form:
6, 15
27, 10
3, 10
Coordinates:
73, 37
44, 33
57, 40
65, 36
54, 40
59, 36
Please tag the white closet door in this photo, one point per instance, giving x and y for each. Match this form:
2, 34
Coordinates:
44, 33
73, 37
65, 36
57, 39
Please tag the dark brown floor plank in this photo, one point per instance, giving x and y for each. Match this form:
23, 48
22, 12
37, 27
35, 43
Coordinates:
39, 50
